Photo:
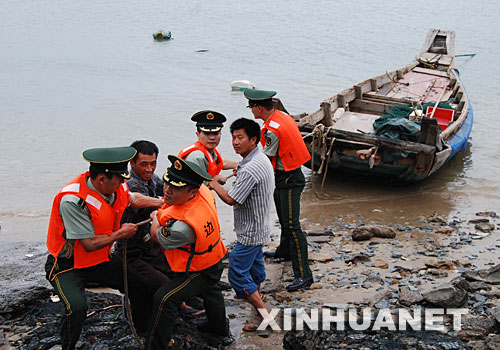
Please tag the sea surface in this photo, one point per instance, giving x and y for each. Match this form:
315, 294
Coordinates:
82, 74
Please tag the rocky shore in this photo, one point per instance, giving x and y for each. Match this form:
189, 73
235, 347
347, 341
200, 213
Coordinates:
430, 262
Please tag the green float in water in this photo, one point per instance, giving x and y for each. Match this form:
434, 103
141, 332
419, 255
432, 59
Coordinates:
162, 35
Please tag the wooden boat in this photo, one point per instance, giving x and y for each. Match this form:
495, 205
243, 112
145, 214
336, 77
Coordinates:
341, 135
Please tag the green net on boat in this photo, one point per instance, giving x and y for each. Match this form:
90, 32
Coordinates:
396, 124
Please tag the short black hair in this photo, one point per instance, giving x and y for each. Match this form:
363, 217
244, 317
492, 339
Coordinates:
96, 171
251, 128
267, 104
144, 147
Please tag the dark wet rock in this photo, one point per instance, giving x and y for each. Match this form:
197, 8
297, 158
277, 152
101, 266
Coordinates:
491, 214
491, 275
495, 312
493, 342
364, 233
479, 221
326, 232
408, 297
361, 234
477, 328
38, 327
478, 285
452, 294
438, 219
484, 227
382, 340
357, 259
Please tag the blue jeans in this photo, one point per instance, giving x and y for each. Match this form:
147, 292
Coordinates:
246, 269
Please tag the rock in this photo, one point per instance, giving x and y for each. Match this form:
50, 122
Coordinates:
282, 296
446, 230
320, 257
361, 234
357, 258
383, 231
318, 239
491, 275
477, 328
408, 298
436, 272
441, 264
349, 339
495, 312
343, 307
364, 233
380, 264
452, 294
312, 233
478, 285
487, 213
437, 219
493, 342
316, 285
484, 227
478, 221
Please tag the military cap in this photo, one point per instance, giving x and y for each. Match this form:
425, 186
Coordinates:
112, 160
258, 95
183, 172
209, 121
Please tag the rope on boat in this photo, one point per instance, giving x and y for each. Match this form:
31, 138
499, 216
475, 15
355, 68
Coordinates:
320, 136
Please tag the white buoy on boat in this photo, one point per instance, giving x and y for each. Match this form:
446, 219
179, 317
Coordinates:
242, 85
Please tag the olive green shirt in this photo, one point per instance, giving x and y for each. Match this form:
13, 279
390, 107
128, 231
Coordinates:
176, 235
199, 158
271, 148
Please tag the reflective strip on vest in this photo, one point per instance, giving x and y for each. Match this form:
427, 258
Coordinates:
71, 188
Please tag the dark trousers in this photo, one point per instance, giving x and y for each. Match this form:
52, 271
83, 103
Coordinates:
185, 286
293, 242
70, 287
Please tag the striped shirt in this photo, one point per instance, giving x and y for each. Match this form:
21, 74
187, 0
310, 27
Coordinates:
253, 192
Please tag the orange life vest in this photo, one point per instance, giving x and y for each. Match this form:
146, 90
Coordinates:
105, 218
292, 149
214, 167
201, 214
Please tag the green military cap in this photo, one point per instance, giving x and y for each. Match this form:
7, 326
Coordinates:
209, 121
258, 95
183, 172
112, 160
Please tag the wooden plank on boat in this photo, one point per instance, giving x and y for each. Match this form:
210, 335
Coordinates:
431, 72
429, 132
375, 140
359, 92
370, 106
327, 114
388, 99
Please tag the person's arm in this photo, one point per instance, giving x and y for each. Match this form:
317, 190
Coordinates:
221, 192
141, 201
229, 164
127, 230
272, 144
175, 235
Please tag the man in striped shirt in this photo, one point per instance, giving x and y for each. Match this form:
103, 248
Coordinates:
251, 197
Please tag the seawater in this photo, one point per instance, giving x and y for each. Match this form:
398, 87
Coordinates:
76, 75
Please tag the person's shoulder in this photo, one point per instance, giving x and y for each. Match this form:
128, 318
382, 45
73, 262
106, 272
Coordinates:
69, 198
196, 154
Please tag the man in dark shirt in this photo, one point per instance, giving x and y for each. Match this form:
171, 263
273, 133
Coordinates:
144, 255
